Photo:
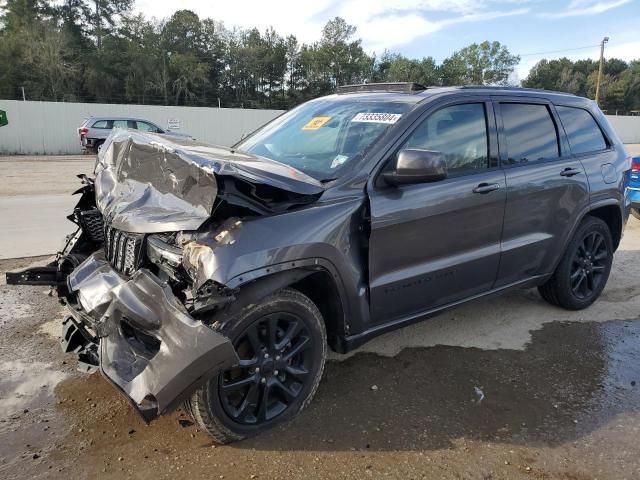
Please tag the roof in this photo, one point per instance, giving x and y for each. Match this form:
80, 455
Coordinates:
110, 117
415, 93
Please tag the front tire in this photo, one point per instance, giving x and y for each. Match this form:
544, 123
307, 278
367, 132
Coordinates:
282, 345
584, 269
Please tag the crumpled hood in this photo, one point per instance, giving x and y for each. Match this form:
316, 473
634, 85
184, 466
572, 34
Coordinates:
148, 183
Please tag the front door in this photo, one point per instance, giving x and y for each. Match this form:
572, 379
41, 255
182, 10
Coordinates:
434, 243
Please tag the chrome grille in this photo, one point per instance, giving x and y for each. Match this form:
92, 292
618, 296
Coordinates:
123, 249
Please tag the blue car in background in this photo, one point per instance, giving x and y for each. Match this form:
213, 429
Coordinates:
634, 187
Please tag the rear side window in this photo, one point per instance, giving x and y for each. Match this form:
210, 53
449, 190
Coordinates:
583, 131
120, 124
101, 124
530, 133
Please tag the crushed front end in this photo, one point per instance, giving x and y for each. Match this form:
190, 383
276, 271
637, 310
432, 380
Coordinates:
150, 347
138, 285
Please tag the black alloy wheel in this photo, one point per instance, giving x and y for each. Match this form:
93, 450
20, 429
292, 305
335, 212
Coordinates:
583, 270
276, 353
281, 343
589, 265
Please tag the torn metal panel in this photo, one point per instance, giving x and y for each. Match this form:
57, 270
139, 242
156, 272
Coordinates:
150, 347
148, 183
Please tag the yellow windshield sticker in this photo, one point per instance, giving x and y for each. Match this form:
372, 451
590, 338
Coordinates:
315, 123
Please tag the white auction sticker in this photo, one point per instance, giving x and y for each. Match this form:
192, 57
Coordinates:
372, 117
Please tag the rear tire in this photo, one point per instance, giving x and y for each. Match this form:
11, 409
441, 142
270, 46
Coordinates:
282, 345
636, 213
584, 268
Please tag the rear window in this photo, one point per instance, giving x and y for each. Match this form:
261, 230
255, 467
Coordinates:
530, 133
582, 130
101, 124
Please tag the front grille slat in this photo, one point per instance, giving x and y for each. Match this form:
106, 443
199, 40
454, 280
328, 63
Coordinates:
123, 250
91, 223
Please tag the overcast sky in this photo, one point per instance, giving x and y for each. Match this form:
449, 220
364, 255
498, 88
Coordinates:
418, 28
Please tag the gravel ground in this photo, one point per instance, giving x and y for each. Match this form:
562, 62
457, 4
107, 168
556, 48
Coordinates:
505, 388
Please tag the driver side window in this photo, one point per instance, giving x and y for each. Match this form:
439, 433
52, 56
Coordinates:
459, 132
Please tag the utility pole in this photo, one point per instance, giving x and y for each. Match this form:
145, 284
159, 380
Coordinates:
98, 26
604, 40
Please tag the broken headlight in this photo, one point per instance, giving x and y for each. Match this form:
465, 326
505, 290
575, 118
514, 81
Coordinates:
199, 259
166, 256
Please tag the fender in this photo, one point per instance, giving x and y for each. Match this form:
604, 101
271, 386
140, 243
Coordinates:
257, 284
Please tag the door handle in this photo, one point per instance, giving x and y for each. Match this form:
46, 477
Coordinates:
570, 172
486, 187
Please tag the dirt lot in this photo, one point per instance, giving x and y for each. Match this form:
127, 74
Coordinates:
498, 389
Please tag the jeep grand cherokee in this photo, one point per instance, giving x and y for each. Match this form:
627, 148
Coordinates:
215, 277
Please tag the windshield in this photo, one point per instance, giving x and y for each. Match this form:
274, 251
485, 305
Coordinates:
322, 137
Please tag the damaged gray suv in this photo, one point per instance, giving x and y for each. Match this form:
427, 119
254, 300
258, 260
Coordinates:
216, 278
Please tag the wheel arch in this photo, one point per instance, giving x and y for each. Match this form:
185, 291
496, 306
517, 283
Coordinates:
612, 216
322, 290
609, 211
312, 278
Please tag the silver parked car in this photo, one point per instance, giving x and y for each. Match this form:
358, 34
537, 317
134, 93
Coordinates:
95, 130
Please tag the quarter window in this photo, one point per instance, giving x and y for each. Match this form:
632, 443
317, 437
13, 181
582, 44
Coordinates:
459, 132
100, 124
583, 131
530, 133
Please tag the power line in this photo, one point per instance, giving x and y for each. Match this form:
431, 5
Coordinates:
558, 51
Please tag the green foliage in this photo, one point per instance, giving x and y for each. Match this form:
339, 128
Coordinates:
487, 63
619, 89
99, 51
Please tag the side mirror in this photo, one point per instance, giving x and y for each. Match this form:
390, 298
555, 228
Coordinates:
417, 166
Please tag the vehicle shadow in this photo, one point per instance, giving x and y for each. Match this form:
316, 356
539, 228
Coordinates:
570, 379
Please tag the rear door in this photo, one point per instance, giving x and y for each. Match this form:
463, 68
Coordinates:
547, 187
434, 243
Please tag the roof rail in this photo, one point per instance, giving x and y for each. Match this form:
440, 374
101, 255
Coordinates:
508, 87
401, 87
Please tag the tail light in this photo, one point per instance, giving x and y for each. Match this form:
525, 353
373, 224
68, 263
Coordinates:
83, 131
635, 164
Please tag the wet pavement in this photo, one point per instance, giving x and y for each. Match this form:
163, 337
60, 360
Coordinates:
498, 389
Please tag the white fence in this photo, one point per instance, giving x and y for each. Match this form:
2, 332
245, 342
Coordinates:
51, 128
627, 128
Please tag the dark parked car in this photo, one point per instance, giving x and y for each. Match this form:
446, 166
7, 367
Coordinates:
95, 130
216, 278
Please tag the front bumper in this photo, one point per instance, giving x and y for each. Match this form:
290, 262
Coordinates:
150, 348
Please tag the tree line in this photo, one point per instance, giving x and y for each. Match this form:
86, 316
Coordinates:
619, 88
100, 51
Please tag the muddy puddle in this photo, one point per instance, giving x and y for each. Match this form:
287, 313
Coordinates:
571, 385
